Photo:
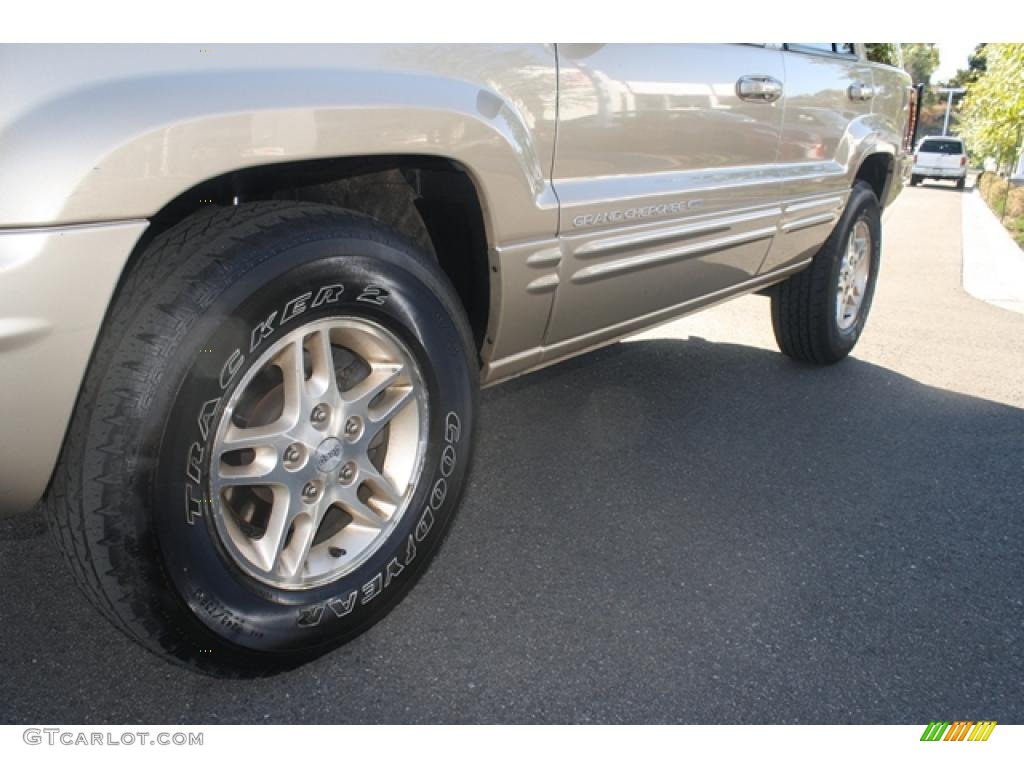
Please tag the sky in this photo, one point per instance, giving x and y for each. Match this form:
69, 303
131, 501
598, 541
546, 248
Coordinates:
952, 56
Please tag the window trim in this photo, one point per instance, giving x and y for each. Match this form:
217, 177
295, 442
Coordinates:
834, 54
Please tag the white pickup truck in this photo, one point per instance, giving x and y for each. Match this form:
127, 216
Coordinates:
940, 157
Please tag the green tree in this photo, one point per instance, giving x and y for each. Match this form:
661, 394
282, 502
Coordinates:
920, 60
883, 53
993, 108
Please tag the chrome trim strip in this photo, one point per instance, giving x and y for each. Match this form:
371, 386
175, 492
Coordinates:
808, 221
667, 255
675, 232
35, 229
834, 201
772, 173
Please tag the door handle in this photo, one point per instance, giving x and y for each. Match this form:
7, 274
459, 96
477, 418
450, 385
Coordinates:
758, 88
859, 91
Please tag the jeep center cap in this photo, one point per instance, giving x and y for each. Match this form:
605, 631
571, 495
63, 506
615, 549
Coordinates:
328, 455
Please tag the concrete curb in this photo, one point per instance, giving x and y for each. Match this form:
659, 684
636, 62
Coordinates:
993, 268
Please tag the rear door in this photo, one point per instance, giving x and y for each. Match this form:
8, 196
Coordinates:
829, 91
666, 177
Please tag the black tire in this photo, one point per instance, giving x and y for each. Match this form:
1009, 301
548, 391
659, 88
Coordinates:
804, 306
133, 523
961, 183
915, 180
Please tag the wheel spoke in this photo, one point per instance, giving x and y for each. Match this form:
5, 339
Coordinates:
859, 246
381, 485
292, 558
264, 469
323, 385
862, 269
290, 363
380, 378
364, 515
269, 546
398, 398
270, 437
849, 303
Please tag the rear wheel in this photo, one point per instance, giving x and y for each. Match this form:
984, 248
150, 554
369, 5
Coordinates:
272, 438
915, 180
961, 183
818, 314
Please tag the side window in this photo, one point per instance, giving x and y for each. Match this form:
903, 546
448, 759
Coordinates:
841, 49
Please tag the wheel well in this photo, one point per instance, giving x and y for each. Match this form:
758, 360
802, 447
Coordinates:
875, 171
432, 201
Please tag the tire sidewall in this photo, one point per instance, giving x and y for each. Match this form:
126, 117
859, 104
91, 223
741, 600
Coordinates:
223, 606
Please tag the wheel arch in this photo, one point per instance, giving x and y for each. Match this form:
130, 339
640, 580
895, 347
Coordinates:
876, 169
434, 201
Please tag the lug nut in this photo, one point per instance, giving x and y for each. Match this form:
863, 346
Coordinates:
294, 456
352, 426
310, 492
319, 415
347, 473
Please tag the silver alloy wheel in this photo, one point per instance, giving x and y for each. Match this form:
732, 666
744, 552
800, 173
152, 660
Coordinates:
317, 452
854, 272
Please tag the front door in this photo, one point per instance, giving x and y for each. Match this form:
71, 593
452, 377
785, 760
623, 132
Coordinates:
665, 171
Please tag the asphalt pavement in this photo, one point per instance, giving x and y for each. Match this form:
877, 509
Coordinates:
684, 527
